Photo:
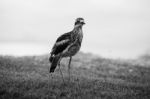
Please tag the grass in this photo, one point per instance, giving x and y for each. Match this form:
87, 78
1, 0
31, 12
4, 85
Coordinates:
92, 78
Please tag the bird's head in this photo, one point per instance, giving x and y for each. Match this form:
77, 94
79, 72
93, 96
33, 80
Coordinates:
79, 21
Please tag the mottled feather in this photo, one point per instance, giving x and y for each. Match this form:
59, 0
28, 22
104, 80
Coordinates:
67, 44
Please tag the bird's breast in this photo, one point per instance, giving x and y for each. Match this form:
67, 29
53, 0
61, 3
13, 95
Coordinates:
77, 44
80, 37
76, 40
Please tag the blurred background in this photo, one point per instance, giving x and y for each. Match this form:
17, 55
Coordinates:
114, 28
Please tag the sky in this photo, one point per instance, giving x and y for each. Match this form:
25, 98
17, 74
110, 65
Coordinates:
114, 28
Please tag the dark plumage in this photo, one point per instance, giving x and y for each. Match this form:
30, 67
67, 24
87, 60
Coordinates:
67, 45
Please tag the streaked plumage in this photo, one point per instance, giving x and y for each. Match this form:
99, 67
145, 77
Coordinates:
67, 45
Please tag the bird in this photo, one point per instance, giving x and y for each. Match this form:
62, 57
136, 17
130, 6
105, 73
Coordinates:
67, 45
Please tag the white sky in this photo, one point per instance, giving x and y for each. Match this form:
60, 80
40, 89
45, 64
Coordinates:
114, 28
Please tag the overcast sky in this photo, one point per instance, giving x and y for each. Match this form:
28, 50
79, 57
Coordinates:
114, 28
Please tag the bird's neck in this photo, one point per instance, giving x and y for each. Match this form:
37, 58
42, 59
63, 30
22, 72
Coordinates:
77, 33
77, 30
77, 27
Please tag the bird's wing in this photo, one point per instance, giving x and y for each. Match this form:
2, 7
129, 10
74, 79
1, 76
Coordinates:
61, 43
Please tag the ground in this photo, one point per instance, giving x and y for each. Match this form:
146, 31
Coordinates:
92, 77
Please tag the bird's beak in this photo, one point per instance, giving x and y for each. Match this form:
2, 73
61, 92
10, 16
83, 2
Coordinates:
83, 23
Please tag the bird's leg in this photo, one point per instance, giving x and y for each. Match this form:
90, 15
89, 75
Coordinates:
69, 67
50, 78
61, 72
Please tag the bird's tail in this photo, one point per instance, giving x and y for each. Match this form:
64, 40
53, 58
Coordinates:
54, 61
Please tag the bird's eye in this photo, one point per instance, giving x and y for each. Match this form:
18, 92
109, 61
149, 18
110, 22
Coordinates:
81, 20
